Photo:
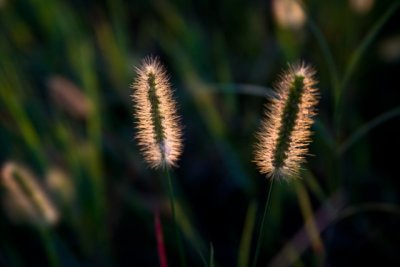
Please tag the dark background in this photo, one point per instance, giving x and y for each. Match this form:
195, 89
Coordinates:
222, 57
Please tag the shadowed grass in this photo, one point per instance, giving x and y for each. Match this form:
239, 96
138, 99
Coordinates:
245, 243
366, 128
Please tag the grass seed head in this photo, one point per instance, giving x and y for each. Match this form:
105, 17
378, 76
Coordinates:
25, 200
159, 132
285, 131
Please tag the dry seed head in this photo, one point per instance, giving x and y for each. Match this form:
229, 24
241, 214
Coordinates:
285, 132
159, 132
25, 199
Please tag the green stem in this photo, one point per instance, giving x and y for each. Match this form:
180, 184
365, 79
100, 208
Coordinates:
260, 234
172, 203
48, 243
212, 264
248, 228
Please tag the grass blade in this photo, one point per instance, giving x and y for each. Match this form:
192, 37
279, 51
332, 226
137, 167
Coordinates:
363, 130
245, 243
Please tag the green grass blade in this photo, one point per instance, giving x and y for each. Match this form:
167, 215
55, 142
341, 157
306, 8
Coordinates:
355, 59
362, 48
363, 130
245, 243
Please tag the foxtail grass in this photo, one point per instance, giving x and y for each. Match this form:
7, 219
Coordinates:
285, 132
159, 132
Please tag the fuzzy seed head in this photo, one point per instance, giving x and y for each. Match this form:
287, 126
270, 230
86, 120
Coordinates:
159, 132
285, 133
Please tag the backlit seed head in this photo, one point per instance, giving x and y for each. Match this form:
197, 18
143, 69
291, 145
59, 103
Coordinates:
159, 132
285, 132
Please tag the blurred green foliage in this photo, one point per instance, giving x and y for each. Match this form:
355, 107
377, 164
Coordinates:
65, 71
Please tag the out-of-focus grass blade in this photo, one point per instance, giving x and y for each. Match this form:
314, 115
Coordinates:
189, 231
363, 130
289, 43
82, 61
50, 248
119, 22
324, 217
245, 243
246, 89
316, 31
17, 29
313, 185
212, 260
356, 57
308, 218
362, 48
368, 207
12, 86
94, 131
115, 58
203, 100
223, 72
56, 19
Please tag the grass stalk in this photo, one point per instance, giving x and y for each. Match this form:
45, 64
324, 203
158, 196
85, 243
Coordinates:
355, 59
309, 221
49, 247
212, 260
190, 233
172, 203
261, 232
245, 243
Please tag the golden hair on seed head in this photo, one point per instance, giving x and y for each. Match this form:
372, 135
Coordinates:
159, 132
285, 131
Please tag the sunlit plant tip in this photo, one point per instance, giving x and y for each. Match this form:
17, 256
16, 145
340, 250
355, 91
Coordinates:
285, 134
159, 132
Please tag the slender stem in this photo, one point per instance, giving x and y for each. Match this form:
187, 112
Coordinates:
200, 255
49, 247
172, 203
212, 264
248, 228
260, 234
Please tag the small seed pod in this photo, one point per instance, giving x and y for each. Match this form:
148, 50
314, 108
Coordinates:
24, 199
159, 132
285, 132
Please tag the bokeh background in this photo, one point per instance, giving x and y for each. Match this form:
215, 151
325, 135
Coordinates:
66, 126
